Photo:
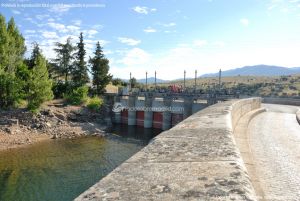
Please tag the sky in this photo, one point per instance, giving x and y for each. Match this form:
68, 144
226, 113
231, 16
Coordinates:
167, 36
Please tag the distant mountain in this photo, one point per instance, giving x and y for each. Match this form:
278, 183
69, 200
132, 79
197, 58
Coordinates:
151, 80
258, 70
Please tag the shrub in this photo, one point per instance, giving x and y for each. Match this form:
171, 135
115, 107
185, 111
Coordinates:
10, 90
60, 89
95, 103
78, 95
39, 85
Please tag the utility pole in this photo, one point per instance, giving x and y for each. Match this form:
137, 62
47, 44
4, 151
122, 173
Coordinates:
155, 80
146, 80
130, 81
184, 80
220, 75
195, 80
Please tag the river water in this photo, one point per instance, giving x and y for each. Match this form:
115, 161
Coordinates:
60, 170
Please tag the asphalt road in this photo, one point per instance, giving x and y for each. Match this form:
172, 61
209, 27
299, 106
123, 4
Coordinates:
274, 139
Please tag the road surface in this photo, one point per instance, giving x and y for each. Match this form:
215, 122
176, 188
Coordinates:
274, 140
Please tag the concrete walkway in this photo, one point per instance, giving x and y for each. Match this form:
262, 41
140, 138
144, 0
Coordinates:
274, 138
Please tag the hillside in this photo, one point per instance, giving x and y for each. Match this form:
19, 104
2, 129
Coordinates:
258, 70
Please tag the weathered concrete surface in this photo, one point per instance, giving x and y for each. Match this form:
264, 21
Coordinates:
196, 160
274, 142
298, 116
242, 140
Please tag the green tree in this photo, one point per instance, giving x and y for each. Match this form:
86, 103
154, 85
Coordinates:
12, 51
36, 52
80, 73
3, 44
10, 90
39, 84
16, 47
118, 82
100, 68
64, 58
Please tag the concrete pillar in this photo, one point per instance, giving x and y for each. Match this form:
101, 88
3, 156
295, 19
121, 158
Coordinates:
188, 107
108, 110
148, 113
167, 115
131, 110
117, 114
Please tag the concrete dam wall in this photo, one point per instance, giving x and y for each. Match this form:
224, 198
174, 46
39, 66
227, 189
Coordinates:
198, 159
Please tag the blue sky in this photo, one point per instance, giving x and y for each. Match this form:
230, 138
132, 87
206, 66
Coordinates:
168, 36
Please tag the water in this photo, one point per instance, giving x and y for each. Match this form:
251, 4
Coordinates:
60, 170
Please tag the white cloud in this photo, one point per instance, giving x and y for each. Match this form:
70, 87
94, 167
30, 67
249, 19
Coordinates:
219, 43
49, 34
150, 30
90, 33
59, 27
63, 28
143, 9
172, 24
16, 12
244, 21
77, 22
97, 26
129, 41
199, 43
72, 28
41, 17
30, 31
135, 56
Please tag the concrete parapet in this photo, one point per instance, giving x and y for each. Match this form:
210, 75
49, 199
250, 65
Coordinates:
298, 116
196, 160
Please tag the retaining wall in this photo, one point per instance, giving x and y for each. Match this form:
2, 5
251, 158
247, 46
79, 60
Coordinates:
196, 160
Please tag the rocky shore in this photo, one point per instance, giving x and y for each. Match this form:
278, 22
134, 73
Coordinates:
19, 127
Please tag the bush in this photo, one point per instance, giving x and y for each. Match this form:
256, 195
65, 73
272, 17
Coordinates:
95, 103
10, 90
60, 89
78, 95
39, 85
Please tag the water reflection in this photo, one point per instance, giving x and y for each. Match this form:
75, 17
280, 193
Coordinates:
62, 169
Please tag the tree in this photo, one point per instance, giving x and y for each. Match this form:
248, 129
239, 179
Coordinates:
36, 52
100, 68
118, 82
12, 50
80, 74
64, 58
134, 83
16, 47
3, 44
39, 84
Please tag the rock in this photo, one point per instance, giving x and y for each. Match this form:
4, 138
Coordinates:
13, 122
54, 136
60, 116
28, 140
8, 130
